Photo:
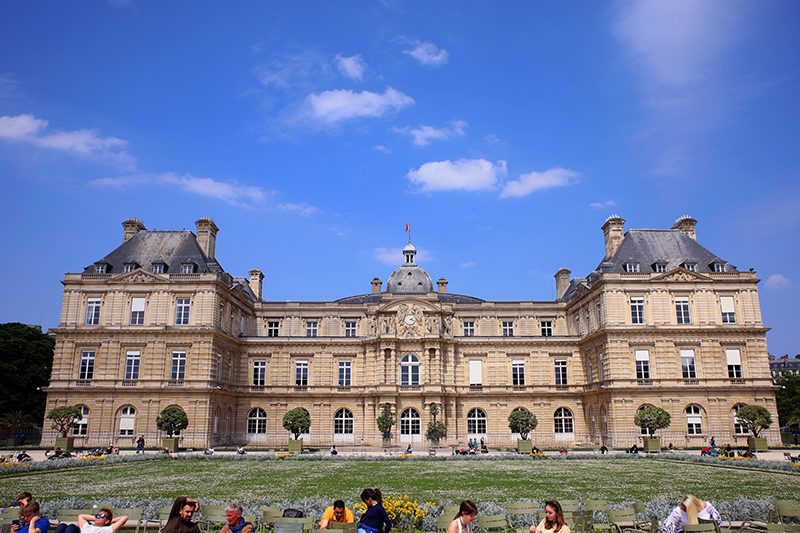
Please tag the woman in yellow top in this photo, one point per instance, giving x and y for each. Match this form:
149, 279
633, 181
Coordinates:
553, 520
463, 520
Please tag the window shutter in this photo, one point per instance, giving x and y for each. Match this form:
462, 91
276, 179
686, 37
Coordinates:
137, 304
727, 304
642, 355
475, 372
733, 357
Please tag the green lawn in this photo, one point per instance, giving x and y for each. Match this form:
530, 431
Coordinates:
437, 481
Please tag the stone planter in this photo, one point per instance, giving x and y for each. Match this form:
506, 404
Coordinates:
296, 446
170, 443
434, 443
387, 442
651, 444
65, 443
757, 444
524, 446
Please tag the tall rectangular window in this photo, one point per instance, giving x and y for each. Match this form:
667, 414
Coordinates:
577, 324
311, 328
178, 366
87, 365
219, 367
518, 373
599, 316
93, 311
642, 364
158, 268
547, 328
637, 310
475, 372
734, 361
508, 329
350, 328
82, 429
137, 311
301, 373
682, 310
561, 371
259, 373
182, 311
631, 267
469, 328
601, 367
344, 373
728, 311
273, 328
687, 364
132, 359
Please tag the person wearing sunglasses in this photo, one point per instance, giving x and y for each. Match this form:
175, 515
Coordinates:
102, 522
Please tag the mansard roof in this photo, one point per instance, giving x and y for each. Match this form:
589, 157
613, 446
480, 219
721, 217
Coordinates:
443, 298
173, 248
670, 247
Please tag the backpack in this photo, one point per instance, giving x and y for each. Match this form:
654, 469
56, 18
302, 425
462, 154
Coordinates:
292, 513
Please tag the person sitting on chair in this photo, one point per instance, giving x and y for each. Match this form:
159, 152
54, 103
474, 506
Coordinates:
553, 521
462, 523
410, 448
603, 449
336, 513
180, 516
240, 450
334, 451
102, 522
689, 511
23, 456
235, 522
29, 521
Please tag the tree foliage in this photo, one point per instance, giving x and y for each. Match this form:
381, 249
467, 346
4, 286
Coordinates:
523, 422
64, 418
787, 399
173, 420
755, 418
436, 430
26, 357
652, 418
17, 420
297, 421
386, 420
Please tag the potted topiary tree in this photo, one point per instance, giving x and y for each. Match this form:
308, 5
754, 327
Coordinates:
64, 418
755, 418
436, 430
652, 418
296, 421
173, 420
523, 422
385, 423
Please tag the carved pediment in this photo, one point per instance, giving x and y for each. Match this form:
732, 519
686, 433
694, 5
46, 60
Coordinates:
139, 276
681, 274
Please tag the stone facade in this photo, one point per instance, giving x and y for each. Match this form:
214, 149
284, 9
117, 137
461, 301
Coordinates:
661, 321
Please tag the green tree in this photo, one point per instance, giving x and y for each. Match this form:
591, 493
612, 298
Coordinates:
787, 399
652, 418
173, 420
523, 422
755, 418
26, 357
436, 430
64, 418
16, 420
297, 421
386, 421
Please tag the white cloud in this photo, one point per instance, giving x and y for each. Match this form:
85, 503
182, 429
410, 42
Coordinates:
468, 264
352, 67
342, 104
600, 205
424, 134
494, 139
383, 149
428, 54
394, 256
83, 143
777, 281
534, 181
9, 86
294, 70
303, 209
466, 174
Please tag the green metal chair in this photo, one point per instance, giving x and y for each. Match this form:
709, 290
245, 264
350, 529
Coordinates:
132, 514
527, 513
451, 511
699, 528
442, 523
568, 505
344, 527
494, 522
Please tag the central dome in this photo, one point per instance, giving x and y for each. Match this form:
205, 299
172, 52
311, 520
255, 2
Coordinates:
409, 278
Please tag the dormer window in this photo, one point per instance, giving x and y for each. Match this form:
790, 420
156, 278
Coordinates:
718, 267
631, 267
660, 266
130, 267
188, 268
101, 268
159, 268
691, 267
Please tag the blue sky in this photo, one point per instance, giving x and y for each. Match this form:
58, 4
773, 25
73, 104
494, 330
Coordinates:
311, 132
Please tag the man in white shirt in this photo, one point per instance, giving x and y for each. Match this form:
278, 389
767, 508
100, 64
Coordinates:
102, 522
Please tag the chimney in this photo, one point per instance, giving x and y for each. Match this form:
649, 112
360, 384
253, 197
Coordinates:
562, 282
207, 236
376, 286
613, 231
256, 281
131, 227
686, 224
442, 283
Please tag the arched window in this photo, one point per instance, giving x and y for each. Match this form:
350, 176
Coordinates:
410, 422
738, 427
343, 422
127, 421
694, 420
476, 422
409, 370
228, 421
604, 418
591, 421
257, 421
82, 428
562, 420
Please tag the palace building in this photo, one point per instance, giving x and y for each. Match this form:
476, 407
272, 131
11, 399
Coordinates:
661, 321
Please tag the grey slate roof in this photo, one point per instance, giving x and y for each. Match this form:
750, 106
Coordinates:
410, 279
443, 297
671, 246
171, 247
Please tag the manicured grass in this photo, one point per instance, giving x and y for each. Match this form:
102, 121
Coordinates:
437, 481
